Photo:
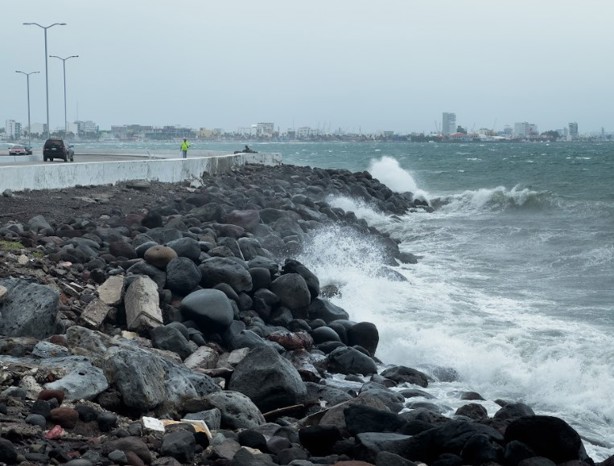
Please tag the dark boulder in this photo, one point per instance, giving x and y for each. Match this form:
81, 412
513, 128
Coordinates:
210, 309
548, 436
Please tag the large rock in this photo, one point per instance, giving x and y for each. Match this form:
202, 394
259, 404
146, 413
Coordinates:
294, 266
142, 304
182, 275
327, 311
170, 338
247, 219
225, 270
238, 411
210, 309
548, 436
186, 247
28, 309
268, 379
146, 380
364, 334
83, 380
403, 374
347, 360
293, 293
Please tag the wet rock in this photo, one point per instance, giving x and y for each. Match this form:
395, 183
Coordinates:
347, 360
403, 374
293, 293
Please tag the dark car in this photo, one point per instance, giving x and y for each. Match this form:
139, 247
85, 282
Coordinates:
57, 149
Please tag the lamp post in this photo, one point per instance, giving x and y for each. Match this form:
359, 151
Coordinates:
46, 66
28, 87
64, 68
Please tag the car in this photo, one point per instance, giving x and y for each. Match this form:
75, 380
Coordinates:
28, 150
18, 150
58, 149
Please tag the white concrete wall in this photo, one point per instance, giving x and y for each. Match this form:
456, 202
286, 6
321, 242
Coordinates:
65, 175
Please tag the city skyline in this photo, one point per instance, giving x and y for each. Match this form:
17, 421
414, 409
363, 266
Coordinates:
352, 65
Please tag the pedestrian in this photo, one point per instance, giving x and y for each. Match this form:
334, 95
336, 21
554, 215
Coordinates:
185, 145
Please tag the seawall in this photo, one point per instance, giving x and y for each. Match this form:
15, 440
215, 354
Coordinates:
65, 175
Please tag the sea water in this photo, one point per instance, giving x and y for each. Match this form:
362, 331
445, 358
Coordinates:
513, 295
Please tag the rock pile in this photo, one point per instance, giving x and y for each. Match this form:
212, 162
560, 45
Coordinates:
195, 315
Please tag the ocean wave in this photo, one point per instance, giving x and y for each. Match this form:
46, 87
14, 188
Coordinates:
495, 199
388, 171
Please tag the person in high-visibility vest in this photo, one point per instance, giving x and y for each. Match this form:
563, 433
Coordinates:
185, 145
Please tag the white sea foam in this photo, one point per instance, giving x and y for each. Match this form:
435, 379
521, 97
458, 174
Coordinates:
503, 347
389, 171
493, 199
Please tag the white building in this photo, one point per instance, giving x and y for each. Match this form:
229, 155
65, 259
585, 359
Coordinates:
448, 123
12, 129
265, 130
525, 129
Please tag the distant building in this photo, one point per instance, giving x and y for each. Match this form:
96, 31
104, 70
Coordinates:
86, 128
525, 130
265, 130
12, 129
448, 124
573, 131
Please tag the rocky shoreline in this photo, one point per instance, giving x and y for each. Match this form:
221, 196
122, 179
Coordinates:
159, 324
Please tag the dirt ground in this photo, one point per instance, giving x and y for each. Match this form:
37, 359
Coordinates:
60, 205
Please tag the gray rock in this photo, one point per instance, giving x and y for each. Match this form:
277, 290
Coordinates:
251, 248
143, 268
186, 247
327, 311
268, 379
313, 283
238, 411
182, 275
170, 338
210, 309
293, 293
28, 309
370, 444
211, 417
364, 334
179, 444
347, 360
403, 374
110, 292
146, 380
38, 223
84, 381
46, 349
142, 304
225, 270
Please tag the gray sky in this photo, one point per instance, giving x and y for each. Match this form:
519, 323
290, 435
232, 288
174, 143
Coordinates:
385, 65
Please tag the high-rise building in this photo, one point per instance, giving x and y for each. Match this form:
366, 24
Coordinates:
448, 123
573, 130
12, 129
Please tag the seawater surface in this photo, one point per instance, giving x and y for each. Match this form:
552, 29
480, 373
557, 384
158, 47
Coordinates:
513, 296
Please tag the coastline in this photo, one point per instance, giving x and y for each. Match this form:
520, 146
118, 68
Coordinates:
272, 209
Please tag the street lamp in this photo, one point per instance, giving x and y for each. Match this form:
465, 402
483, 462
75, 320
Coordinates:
46, 66
64, 67
28, 87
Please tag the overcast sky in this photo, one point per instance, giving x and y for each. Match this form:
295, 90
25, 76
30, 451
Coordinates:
350, 64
